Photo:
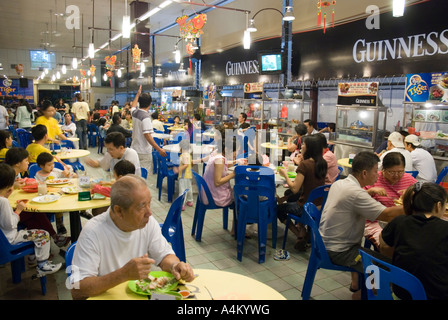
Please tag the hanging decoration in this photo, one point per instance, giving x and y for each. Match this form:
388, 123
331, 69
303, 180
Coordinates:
110, 67
191, 29
136, 54
19, 69
321, 7
92, 70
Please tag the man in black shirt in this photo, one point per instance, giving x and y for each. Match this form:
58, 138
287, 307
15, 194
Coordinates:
116, 127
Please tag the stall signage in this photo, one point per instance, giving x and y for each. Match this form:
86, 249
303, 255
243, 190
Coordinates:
11, 88
427, 86
358, 93
253, 90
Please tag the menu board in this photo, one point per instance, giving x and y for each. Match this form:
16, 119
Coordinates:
358, 93
424, 87
253, 90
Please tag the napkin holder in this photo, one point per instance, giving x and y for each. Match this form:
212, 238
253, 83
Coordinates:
84, 195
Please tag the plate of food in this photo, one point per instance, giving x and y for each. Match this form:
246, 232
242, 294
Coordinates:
157, 281
57, 181
444, 81
70, 190
48, 198
436, 93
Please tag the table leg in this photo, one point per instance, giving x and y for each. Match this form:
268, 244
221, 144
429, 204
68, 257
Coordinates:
75, 225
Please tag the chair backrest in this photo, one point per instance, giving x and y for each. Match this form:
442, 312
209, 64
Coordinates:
144, 173
10, 252
255, 175
25, 137
413, 173
34, 168
69, 258
180, 136
319, 193
384, 275
311, 217
204, 193
172, 227
340, 171
442, 175
162, 164
67, 144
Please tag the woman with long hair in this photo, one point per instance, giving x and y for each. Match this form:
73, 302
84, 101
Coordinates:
311, 173
24, 115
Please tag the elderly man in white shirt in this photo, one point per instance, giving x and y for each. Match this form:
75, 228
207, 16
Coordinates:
395, 144
122, 244
422, 160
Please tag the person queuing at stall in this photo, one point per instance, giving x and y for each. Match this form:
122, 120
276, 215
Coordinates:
116, 126
422, 160
346, 210
123, 243
416, 242
395, 144
310, 127
142, 130
115, 143
54, 131
311, 173
390, 186
9, 220
5, 143
81, 109
24, 115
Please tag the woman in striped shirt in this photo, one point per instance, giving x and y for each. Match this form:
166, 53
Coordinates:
391, 184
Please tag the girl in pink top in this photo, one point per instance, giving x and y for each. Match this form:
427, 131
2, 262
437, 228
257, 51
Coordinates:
391, 184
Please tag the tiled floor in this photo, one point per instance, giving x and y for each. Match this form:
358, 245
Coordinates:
217, 250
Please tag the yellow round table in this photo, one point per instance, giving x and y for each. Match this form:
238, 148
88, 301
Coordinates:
176, 129
73, 154
268, 145
208, 285
344, 162
66, 203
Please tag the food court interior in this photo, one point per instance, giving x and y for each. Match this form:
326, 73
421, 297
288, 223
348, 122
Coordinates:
355, 66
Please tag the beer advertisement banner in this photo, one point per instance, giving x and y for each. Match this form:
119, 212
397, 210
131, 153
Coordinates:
358, 93
426, 87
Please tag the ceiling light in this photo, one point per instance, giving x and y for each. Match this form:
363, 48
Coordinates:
105, 77
176, 54
119, 73
142, 67
91, 51
165, 3
75, 63
126, 27
246, 39
53, 78
398, 8
64, 69
58, 75
94, 79
288, 16
252, 27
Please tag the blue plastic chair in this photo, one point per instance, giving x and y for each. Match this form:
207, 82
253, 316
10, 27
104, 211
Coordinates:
442, 175
172, 228
205, 202
69, 258
340, 171
144, 173
317, 193
386, 275
154, 155
25, 137
164, 172
255, 202
15, 253
180, 136
413, 173
34, 168
319, 258
92, 134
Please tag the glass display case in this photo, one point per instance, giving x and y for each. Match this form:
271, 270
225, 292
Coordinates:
360, 126
213, 111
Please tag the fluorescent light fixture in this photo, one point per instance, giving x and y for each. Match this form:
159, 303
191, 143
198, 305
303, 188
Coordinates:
116, 37
165, 4
252, 27
119, 73
398, 8
155, 10
288, 16
103, 46
91, 51
246, 39
64, 69
126, 27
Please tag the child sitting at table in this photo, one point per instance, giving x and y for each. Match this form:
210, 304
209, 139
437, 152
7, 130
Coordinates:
45, 161
5, 143
122, 168
185, 173
9, 220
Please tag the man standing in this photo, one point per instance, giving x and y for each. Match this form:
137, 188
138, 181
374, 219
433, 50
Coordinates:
98, 105
81, 111
123, 243
242, 119
142, 130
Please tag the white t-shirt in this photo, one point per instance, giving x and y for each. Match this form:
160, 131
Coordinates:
424, 163
345, 213
158, 125
72, 127
3, 116
404, 152
103, 248
81, 110
8, 220
108, 163
141, 124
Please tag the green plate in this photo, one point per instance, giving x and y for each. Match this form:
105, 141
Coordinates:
167, 289
292, 174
